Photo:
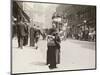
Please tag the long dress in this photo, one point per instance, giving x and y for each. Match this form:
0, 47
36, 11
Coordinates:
51, 55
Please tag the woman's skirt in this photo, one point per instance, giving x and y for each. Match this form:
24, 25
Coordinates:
51, 55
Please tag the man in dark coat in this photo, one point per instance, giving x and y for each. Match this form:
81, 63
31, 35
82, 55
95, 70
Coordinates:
31, 36
26, 36
20, 33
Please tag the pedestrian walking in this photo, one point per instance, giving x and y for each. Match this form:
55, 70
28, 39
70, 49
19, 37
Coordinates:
37, 33
20, 33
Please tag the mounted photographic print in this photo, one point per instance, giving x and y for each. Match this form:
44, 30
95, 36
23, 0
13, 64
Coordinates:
52, 37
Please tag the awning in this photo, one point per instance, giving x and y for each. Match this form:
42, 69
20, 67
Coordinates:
17, 10
25, 16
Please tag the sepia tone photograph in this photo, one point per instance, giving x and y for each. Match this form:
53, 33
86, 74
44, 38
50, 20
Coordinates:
52, 37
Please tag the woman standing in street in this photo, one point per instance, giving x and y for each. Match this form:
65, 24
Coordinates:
51, 52
51, 49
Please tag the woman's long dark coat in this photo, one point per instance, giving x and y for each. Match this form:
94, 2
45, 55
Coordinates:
51, 55
53, 52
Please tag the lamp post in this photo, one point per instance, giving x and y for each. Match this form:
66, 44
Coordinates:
84, 24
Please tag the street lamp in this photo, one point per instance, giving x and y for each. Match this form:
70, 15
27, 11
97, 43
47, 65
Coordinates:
84, 23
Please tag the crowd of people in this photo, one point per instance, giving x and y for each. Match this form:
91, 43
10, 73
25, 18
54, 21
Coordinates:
85, 35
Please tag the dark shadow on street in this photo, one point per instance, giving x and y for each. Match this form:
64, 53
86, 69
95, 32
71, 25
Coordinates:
39, 63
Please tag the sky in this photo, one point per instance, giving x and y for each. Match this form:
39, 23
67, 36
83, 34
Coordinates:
40, 12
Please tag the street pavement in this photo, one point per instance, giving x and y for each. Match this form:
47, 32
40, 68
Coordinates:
75, 54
